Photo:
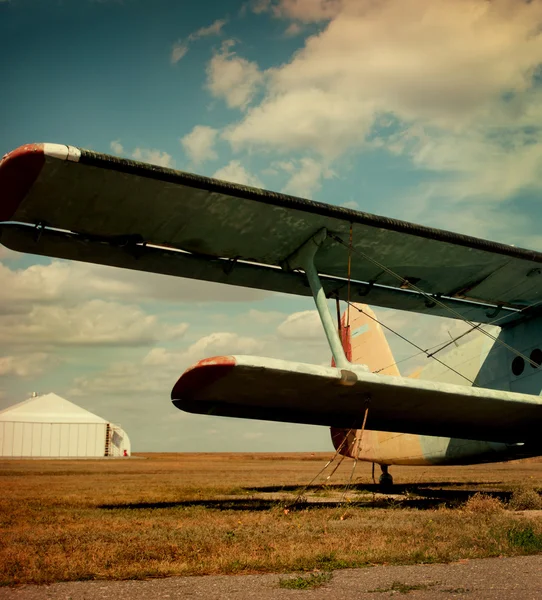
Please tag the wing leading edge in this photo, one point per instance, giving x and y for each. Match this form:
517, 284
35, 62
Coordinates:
302, 393
73, 203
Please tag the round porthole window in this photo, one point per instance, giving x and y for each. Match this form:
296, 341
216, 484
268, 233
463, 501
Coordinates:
536, 357
518, 364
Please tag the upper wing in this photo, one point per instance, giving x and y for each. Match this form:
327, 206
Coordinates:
70, 203
301, 393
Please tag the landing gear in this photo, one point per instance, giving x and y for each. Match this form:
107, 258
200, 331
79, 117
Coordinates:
386, 480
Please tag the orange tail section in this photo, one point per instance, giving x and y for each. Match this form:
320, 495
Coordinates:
364, 343
367, 342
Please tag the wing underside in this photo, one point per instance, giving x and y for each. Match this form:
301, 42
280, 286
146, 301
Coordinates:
76, 204
301, 393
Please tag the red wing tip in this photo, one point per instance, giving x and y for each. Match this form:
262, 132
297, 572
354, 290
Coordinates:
24, 150
60, 151
214, 361
20, 168
201, 375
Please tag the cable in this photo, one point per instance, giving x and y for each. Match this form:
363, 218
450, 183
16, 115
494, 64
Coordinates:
296, 500
436, 301
453, 340
415, 345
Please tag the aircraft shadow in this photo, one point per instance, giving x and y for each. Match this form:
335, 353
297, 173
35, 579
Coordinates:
250, 504
402, 496
374, 487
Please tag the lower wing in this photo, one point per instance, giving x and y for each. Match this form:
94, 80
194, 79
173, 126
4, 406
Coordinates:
276, 390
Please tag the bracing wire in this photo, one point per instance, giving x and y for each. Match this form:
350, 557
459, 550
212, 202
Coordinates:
329, 462
443, 345
406, 282
358, 441
415, 345
338, 307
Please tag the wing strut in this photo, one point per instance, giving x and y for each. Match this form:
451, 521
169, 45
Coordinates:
303, 258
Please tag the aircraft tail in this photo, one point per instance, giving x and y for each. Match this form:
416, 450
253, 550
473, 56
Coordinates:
364, 343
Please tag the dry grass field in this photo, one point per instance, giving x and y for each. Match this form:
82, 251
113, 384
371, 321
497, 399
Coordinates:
156, 515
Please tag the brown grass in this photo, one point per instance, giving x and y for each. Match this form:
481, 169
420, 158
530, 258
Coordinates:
483, 504
525, 498
185, 514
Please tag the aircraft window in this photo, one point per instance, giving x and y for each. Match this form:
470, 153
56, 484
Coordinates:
536, 356
518, 364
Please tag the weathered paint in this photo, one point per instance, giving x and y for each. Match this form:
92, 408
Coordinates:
223, 220
303, 258
203, 374
55, 186
408, 449
303, 393
18, 172
20, 169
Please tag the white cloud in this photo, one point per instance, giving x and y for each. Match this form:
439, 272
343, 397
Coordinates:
264, 317
307, 11
160, 368
9, 255
260, 6
58, 282
284, 165
299, 337
29, 364
68, 283
199, 144
91, 323
178, 50
293, 30
215, 28
484, 169
181, 47
308, 178
351, 204
458, 74
154, 156
302, 326
223, 343
303, 119
116, 147
233, 78
236, 173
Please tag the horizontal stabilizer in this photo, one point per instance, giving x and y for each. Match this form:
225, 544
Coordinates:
275, 390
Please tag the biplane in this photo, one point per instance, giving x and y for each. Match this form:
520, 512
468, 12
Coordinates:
478, 401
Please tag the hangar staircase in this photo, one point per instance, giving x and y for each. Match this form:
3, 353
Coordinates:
113, 440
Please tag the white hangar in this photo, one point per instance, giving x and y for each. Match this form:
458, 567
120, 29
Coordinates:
50, 426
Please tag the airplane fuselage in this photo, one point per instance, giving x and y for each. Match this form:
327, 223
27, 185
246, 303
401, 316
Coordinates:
480, 360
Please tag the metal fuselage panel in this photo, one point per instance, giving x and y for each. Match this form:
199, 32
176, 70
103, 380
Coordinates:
481, 359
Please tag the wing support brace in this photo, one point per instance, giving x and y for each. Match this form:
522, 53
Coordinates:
303, 258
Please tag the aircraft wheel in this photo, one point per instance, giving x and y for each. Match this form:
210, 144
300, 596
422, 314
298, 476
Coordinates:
386, 480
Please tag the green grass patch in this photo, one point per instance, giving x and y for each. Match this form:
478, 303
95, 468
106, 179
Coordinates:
525, 537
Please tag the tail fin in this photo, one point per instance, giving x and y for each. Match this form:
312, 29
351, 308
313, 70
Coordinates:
364, 343
367, 342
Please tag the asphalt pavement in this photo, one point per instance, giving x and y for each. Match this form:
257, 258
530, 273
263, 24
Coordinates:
517, 578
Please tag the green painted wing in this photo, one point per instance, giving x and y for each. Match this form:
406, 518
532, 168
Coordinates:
101, 209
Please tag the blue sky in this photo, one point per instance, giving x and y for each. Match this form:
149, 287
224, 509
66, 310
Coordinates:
426, 110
